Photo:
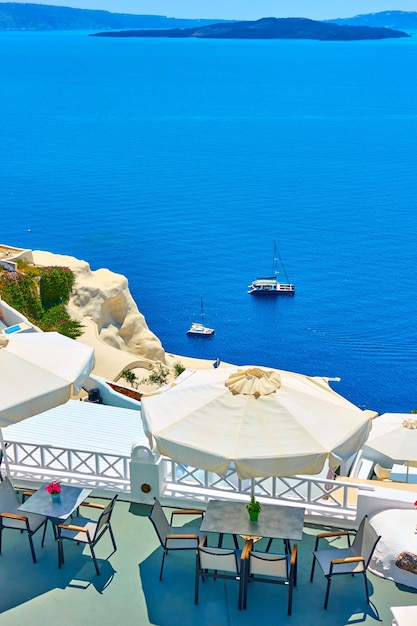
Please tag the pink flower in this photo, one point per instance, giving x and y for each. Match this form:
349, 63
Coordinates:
53, 487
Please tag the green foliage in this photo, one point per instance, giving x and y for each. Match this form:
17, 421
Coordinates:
21, 292
58, 319
130, 377
253, 506
55, 286
30, 270
158, 375
178, 368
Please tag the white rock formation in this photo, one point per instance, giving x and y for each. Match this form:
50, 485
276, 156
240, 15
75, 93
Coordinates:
104, 297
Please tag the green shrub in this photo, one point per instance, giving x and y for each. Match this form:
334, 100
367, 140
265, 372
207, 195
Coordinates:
158, 375
55, 285
21, 292
130, 377
58, 319
178, 369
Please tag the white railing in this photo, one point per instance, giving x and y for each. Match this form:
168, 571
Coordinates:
173, 481
32, 461
320, 496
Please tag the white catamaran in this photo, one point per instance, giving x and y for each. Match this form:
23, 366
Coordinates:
198, 328
270, 285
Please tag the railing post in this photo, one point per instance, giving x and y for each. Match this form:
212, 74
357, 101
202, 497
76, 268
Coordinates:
144, 475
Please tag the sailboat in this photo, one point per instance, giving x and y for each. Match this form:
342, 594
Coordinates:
270, 285
198, 328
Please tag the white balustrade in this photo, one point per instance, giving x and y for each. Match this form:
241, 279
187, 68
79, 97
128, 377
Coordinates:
172, 481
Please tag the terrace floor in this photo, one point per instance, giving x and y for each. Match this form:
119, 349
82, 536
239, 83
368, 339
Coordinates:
128, 591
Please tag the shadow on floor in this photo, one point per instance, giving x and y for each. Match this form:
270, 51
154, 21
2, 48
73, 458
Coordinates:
25, 580
171, 601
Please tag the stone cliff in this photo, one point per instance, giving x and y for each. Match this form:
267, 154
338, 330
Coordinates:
104, 297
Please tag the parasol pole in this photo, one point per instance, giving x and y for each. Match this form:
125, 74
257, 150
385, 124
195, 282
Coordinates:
4, 452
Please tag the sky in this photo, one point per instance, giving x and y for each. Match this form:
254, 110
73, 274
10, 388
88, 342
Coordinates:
240, 9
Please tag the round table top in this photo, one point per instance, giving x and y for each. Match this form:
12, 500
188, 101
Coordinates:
398, 530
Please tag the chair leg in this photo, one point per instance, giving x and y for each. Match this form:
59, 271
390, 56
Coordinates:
60, 552
1, 532
241, 587
94, 559
326, 599
313, 565
366, 587
196, 583
162, 564
32, 548
290, 590
112, 539
44, 533
244, 599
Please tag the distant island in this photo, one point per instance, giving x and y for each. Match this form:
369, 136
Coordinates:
17, 16
33, 17
269, 28
398, 20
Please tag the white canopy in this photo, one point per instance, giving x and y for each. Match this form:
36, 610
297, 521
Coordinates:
38, 371
268, 423
395, 436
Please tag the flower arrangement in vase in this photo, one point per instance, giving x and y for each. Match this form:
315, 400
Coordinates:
54, 488
254, 508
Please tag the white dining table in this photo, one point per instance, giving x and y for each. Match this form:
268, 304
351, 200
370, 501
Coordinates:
275, 521
41, 502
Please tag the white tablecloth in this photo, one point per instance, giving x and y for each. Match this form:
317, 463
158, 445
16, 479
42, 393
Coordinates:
397, 528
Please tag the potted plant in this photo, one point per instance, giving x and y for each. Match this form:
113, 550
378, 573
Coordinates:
54, 488
254, 508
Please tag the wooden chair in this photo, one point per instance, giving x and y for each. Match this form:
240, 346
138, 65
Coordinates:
173, 537
351, 560
87, 531
266, 567
11, 517
218, 563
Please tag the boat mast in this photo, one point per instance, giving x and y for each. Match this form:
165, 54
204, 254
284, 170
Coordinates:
202, 311
277, 257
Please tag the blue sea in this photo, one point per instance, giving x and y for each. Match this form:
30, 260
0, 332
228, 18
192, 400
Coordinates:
178, 162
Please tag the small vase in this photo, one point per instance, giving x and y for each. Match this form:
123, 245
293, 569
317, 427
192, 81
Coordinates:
56, 498
253, 516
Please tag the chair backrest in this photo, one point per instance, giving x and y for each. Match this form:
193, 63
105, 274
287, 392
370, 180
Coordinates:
220, 559
104, 519
383, 473
8, 497
268, 564
160, 522
365, 541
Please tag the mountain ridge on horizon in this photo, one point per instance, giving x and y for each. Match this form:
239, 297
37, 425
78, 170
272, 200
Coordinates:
33, 17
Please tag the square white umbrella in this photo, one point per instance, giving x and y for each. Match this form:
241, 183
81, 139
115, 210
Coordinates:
395, 435
39, 371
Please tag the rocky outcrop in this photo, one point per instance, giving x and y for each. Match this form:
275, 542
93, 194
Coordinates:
104, 297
